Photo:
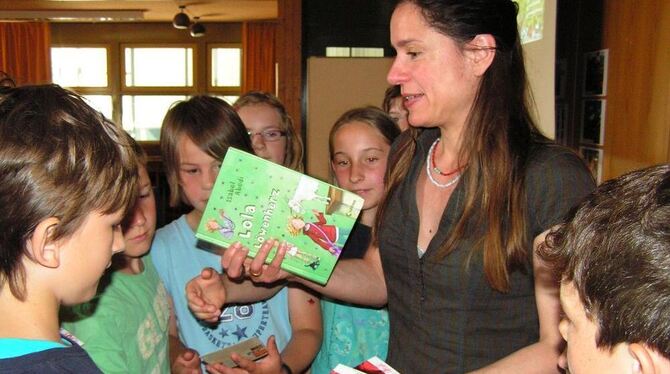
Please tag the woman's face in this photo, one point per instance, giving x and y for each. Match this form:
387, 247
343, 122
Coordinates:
434, 72
261, 118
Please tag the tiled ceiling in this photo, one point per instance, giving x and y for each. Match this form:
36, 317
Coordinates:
148, 10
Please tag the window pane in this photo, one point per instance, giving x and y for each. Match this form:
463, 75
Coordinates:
143, 115
79, 67
367, 52
159, 67
101, 103
229, 99
226, 67
338, 52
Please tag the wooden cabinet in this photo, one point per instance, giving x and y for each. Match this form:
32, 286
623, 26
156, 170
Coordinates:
637, 125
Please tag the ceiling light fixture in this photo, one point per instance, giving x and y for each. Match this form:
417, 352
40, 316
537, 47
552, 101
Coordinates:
197, 28
181, 20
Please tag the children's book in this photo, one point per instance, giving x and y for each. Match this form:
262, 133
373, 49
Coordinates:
255, 199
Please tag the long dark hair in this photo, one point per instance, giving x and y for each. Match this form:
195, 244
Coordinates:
210, 123
498, 135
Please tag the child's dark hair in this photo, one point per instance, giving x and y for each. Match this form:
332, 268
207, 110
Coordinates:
370, 115
210, 123
391, 93
615, 247
293, 152
58, 158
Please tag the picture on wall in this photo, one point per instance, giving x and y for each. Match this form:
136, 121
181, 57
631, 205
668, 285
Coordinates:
595, 73
594, 160
531, 20
593, 121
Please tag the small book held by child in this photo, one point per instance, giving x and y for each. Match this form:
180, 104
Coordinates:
254, 199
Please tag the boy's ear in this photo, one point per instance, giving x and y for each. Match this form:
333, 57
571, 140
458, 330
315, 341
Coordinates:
645, 360
41, 246
481, 51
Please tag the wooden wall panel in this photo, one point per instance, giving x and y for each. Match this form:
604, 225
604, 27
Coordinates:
335, 85
289, 58
637, 122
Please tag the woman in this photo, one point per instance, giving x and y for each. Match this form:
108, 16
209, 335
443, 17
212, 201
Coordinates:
472, 189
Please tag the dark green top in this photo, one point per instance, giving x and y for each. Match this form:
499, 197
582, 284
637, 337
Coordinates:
444, 317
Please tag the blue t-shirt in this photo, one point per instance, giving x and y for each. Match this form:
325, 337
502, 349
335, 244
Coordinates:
178, 260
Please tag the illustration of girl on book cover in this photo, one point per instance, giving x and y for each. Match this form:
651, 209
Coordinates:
329, 237
226, 227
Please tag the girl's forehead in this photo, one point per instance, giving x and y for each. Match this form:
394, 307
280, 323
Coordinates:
260, 114
190, 153
357, 131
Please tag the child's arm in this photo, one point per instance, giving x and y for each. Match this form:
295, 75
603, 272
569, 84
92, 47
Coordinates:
307, 331
207, 293
182, 359
542, 356
358, 281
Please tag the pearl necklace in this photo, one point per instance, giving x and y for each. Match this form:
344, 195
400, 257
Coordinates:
432, 180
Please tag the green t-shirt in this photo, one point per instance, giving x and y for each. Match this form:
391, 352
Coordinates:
124, 328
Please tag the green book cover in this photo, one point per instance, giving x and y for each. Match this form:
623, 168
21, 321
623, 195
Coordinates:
254, 199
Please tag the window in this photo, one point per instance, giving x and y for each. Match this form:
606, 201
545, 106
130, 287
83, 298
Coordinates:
143, 114
101, 103
226, 67
85, 70
158, 67
135, 84
229, 99
154, 78
354, 52
79, 67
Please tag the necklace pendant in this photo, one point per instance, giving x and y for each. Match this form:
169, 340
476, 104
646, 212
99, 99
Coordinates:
437, 170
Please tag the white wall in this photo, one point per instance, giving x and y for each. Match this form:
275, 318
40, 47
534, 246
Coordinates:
540, 61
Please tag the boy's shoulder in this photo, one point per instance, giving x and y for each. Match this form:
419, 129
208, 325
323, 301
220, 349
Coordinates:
72, 359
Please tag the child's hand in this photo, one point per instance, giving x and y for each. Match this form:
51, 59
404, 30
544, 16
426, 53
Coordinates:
188, 362
270, 364
206, 295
